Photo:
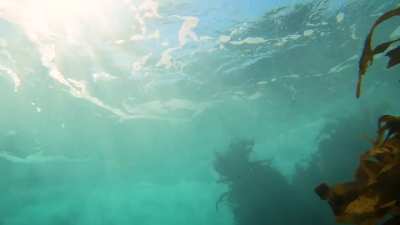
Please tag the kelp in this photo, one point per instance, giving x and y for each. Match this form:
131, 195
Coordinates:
369, 52
374, 194
387, 126
257, 193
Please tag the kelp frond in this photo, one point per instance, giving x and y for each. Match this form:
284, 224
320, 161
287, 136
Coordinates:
369, 52
375, 191
374, 194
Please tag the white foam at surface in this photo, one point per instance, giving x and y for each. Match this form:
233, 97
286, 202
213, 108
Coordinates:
241, 28
150, 9
37, 158
353, 32
187, 30
340, 17
223, 39
166, 59
255, 96
343, 65
205, 38
13, 76
295, 76
119, 42
164, 110
294, 36
308, 33
141, 37
140, 63
103, 76
262, 82
250, 41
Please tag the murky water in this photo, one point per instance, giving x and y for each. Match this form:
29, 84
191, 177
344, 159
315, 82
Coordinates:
112, 110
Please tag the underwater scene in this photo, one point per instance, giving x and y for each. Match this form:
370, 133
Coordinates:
199, 112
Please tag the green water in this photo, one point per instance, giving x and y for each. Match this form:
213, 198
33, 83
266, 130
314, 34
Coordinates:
112, 112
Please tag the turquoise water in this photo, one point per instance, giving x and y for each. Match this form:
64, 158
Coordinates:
115, 111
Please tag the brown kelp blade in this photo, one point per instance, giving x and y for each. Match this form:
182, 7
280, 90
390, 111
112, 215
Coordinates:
384, 46
368, 53
373, 194
394, 57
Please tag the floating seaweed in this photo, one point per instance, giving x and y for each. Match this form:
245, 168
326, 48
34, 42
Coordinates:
368, 54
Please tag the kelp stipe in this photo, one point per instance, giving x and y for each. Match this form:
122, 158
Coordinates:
368, 54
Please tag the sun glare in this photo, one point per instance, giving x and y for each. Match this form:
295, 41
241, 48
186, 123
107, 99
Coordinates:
45, 16
66, 9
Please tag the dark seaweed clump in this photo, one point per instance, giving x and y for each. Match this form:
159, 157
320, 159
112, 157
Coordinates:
254, 187
258, 194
